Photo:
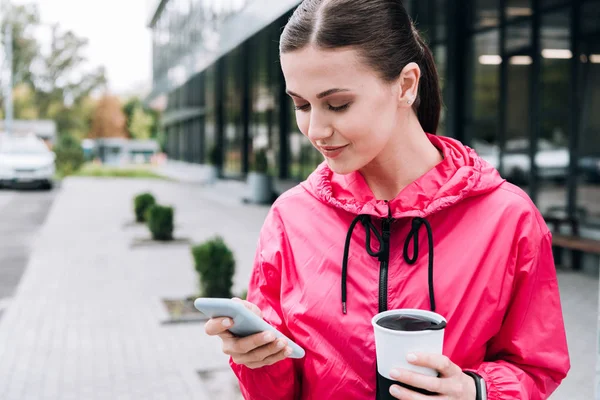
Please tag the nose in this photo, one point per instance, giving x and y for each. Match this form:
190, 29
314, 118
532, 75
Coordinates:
319, 128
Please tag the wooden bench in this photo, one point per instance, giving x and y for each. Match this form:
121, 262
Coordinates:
572, 241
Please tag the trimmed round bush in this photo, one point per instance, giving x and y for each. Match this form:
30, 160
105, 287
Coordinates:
141, 204
160, 222
215, 265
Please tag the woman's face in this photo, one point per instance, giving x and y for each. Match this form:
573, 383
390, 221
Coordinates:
343, 107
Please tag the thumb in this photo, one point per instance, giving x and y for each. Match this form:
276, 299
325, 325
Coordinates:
250, 306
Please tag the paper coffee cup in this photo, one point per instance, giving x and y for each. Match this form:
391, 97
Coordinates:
392, 346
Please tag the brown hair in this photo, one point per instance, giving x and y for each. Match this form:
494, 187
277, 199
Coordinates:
384, 35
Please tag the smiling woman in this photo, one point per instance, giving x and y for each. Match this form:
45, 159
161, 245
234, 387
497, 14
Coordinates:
366, 95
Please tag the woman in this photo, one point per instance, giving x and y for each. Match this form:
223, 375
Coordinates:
359, 236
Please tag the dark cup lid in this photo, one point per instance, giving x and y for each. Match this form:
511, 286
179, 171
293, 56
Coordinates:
410, 323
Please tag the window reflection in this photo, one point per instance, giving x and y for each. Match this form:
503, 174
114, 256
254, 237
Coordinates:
485, 14
588, 189
553, 157
482, 125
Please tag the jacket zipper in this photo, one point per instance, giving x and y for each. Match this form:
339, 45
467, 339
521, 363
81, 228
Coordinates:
384, 259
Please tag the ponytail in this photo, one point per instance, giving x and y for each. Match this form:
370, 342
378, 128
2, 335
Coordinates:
429, 101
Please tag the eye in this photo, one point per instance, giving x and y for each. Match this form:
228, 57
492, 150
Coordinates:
340, 108
303, 107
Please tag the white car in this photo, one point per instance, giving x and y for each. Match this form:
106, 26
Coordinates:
26, 160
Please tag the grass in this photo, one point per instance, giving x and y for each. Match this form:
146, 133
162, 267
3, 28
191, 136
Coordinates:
95, 170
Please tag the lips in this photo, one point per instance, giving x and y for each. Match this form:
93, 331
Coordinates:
332, 151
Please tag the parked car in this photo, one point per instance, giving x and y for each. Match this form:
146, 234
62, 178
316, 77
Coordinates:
26, 161
552, 161
589, 168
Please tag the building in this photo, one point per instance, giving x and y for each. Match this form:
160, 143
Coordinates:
120, 151
521, 84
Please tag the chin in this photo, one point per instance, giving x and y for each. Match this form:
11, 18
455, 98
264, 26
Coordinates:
341, 168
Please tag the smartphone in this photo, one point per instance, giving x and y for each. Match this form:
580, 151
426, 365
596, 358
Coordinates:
245, 322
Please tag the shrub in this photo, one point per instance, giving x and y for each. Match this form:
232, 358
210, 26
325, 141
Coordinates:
141, 204
160, 222
215, 265
69, 155
261, 163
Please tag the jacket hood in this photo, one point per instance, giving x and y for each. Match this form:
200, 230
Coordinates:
460, 175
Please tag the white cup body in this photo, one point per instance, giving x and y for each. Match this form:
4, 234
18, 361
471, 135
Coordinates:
393, 346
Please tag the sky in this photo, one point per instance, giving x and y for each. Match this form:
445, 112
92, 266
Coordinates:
118, 37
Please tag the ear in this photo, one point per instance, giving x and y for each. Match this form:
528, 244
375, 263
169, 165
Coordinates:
408, 84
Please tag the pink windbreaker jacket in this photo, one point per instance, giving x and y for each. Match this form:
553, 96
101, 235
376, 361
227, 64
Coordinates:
330, 256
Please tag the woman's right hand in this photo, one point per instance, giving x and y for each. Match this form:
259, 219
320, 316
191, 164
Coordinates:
254, 351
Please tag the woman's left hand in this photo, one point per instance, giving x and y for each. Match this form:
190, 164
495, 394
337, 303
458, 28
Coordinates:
452, 384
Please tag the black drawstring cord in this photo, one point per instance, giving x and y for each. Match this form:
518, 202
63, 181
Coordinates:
413, 235
369, 227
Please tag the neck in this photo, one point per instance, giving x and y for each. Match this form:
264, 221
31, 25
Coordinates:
406, 158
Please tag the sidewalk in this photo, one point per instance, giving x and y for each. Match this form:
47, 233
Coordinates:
85, 322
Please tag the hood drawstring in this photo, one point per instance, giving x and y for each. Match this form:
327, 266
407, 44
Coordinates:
369, 227
413, 236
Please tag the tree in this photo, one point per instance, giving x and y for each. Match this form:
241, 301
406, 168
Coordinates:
141, 124
24, 102
52, 84
109, 120
61, 77
142, 121
24, 19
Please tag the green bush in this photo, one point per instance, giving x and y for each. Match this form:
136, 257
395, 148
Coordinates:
69, 155
215, 265
141, 204
160, 222
261, 163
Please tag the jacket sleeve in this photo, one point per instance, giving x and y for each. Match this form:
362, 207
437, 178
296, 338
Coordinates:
279, 381
529, 358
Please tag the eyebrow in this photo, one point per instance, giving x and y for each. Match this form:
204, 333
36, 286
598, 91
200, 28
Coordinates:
320, 95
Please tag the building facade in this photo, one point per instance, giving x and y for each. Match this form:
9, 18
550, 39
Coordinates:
520, 79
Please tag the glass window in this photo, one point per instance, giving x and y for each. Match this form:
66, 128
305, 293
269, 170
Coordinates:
588, 190
518, 9
441, 12
264, 118
209, 117
516, 161
518, 36
483, 101
440, 55
233, 129
485, 14
590, 17
551, 3
552, 158
430, 18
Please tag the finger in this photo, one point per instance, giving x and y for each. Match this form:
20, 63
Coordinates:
250, 306
405, 394
275, 358
247, 344
429, 383
262, 353
438, 362
216, 326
